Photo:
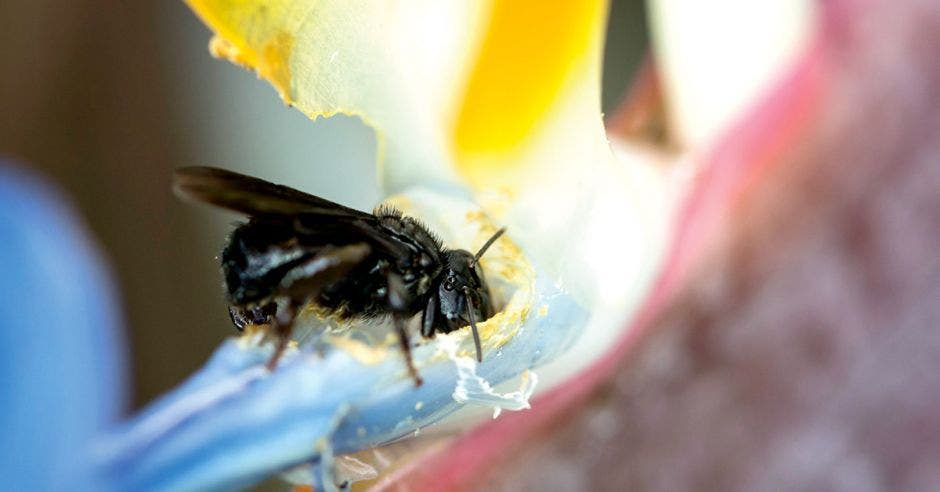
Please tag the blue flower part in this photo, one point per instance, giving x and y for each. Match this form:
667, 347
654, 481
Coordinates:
62, 372
234, 423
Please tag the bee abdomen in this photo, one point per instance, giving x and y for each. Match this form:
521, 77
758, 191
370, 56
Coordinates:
256, 258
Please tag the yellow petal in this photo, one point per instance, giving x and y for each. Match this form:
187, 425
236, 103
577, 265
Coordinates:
397, 65
449, 85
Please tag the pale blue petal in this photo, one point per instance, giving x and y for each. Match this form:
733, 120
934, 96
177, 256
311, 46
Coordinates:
62, 373
233, 423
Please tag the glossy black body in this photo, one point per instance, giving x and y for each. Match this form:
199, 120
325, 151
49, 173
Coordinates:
298, 249
261, 254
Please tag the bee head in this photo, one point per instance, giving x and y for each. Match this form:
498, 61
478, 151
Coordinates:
463, 294
462, 279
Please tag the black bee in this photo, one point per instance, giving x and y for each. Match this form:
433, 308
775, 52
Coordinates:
298, 249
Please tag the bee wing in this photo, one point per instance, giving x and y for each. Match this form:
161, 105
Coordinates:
252, 196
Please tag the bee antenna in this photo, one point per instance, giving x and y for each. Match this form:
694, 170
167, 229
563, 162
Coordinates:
486, 246
473, 321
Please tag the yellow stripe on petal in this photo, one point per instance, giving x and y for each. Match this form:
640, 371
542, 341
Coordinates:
528, 54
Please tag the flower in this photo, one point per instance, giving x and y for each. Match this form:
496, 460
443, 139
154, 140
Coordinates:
468, 135
778, 319
471, 137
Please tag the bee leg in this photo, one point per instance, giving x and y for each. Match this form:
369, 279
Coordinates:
282, 323
397, 303
239, 317
305, 281
406, 348
259, 315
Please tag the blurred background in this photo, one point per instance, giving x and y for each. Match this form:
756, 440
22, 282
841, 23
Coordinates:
106, 98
